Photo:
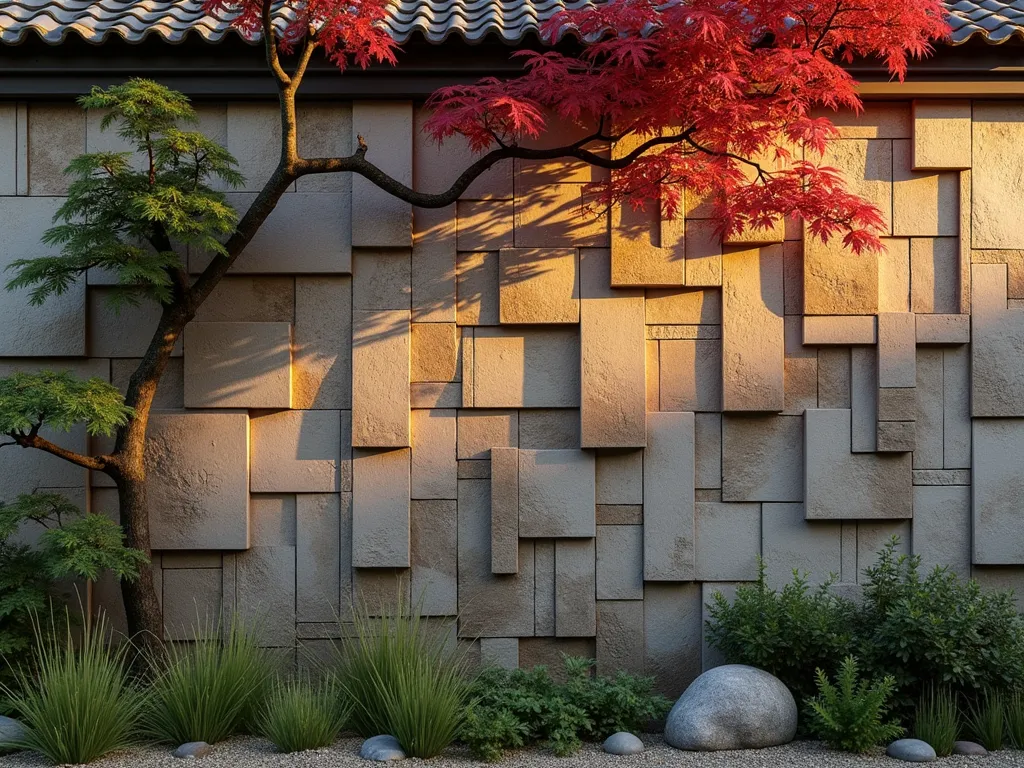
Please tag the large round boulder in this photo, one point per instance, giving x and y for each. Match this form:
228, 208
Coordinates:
732, 707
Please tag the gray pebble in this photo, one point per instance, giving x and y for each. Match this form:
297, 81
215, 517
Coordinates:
193, 750
381, 749
968, 748
10, 730
623, 743
911, 751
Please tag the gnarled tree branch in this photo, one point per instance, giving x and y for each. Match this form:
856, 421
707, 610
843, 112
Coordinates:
97, 463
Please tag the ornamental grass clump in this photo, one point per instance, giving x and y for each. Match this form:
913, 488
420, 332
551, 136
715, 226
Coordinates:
79, 703
937, 719
851, 715
404, 679
300, 714
1014, 706
985, 720
208, 690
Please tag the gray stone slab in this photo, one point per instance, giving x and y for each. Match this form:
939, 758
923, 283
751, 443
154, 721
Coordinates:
238, 365
620, 477
864, 395
669, 478
544, 587
690, 375
728, 541
873, 535
575, 588
898, 403
500, 652
479, 431
997, 490
272, 519
841, 485
896, 436
192, 602
504, 510
708, 444
620, 514
762, 458
434, 465
526, 368
834, 378
547, 428
435, 543
556, 493
380, 508
956, 408
317, 557
435, 394
672, 635
997, 375
942, 477
620, 641
789, 542
322, 343
620, 562
942, 517
897, 340
474, 469
381, 279
711, 657
295, 452
265, 594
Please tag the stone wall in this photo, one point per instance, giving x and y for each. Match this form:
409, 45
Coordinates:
567, 431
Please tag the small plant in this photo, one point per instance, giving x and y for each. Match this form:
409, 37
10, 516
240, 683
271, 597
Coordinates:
1015, 718
850, 714
207, 690
621, 703
985, 720
301, 715
937, 720
404, 679
79, 702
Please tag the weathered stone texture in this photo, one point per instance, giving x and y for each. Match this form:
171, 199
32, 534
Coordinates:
575, 588
620, 644
924, 204
549, 428
997, 485
556, 493
641, 255
526, 368
238, 365
942, 514
380, 508
435, 352
504, 510
539, 285
479, 431
728, 541
672, 635
434, 467
620, 562
620, 477
434, 541
789, 542
998, 153
762, 458
669, 478
380, 219
380, 379
296, 452
322, 343
318, 559
691, 375
942, 134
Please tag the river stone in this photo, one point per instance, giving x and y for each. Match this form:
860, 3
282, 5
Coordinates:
732, 707
968, 748
623, 743
193, 750
381, 749
911, 751
10, 730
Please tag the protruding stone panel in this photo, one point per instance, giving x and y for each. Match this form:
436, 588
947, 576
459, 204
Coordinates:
238, 365
728, 541
539, 285
479, 431
851, 330
501, 652
434, 466
489, 605
708, 443
896, 436
703, 253
57, 136
789, 542
653, 375
838, 282
265, 593
380, 379
620, 562
942, 517
435, 539
504, 510
641, 254
929, 411
380, 219
924, 204
381, 279
380, 508
477, 288
942, 134
864, 399
555, 215
620, 646
556, 494
834, 378
762, 458
435, 394
575, 574
935, 270
485, 226
866, 165
123, 331
996, 490
956, 418
989, 288
185, 453
318, 557
897, 340
997, 376
672, 635
545, 428
669, 478
840, 485
943, 329
434, 265
942, 477
753, 306
191, 600
322, 343
691, 375
526, 368
620, 477
998, 151
894, 275
435, 352
296, 452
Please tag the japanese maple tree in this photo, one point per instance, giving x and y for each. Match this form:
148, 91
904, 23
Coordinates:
714, 97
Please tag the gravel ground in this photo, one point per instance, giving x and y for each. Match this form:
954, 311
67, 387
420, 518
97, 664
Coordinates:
255, 753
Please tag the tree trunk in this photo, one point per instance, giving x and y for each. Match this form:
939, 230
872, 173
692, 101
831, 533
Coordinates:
145, 621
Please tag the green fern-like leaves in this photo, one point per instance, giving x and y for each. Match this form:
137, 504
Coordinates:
60, 401
850, 714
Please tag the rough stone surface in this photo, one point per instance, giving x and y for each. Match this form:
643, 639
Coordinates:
296, 452
839, 330
485, 226
691, 375
322, 343
669, 477
435, 352
911, 751
575, 574
728, 541
639, 256
318, 556
526, 368
997, 485
942, 134
620, 562
434, 464
672, 635
500, 652
477, 288
10, 730
435, 542
897, 339
192, 750
762, 458
549, 428
504, 510
837, 282
623, 744
380, 379
620, 643
703, 254
924, 203
380, 219
935, 275
732, 707
620, 477
789, 541
539, 285
382, 749
238, 365
479, 431
381, 279
380, 508
556, 493
997, 380
969, 748
998, 148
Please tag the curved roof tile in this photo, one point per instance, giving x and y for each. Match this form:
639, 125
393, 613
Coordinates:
994, 21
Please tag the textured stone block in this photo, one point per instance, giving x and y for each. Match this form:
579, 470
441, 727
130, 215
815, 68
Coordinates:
435, 352
9, 142
801, 377
942, 517
555, 215
894, 275
1014, 261
325, 130
620, 514
198, 481
873, 536
663, 332
612, 373
762, 458
924, 204
640, 255
989, 288
864, 399
653, 375
703, 253
620, 477
191, 601
928, 411
381, 279
434, 265
935, 266
997, 379
296, 452
897, 341
669, 478
479, 431
942, 477
526, 368
474, 469
789, 542
956, 419
943, 329
898, 403
834, 378
501, 652
708, 444
544, 428
672, 635
380, 508
575, 575
556, 493
121, 332
435, 542
550, 652
253, 133
238, 365
544, 586
265, 594
322, 343
683, 307
434, 466
878, 120
379, 219
620, 646
56, 137
380, 379
435, 394
539, 285
942, 134
272, 520
996, 489
250, 299
753, 330
485, 226
691, 375
839, 485
504, 510
477, 289
317, 557
57, 327
620, 562
867, 166
489, 605
848, 330
896, 436
838, 282
998, 150
728, 541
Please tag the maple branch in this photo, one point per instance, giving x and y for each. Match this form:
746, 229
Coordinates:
761, 172
270, 42
32, 440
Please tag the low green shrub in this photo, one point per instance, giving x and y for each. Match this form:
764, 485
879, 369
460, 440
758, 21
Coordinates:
78, 703
404, 678
300, 715
207, 690
937, 719
1014, 705
985, 719
513, 709
851, 715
